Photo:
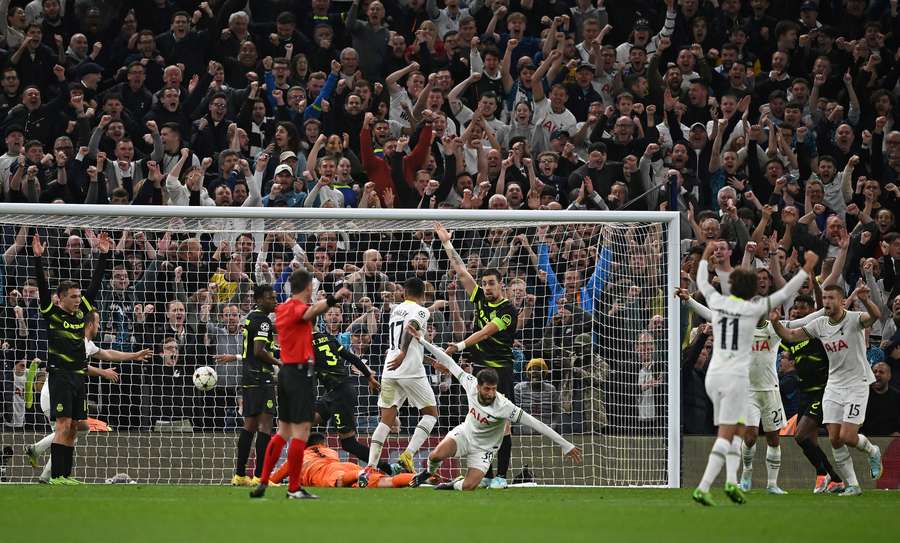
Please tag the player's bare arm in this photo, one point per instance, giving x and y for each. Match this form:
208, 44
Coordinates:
263, 355
112, 355
872, 312
456, 261
404, 345
792, 335
489, 330
322, 306
109, 374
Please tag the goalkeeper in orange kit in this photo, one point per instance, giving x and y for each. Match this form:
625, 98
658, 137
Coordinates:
322, 467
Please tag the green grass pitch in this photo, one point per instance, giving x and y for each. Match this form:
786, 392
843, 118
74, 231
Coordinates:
133, 513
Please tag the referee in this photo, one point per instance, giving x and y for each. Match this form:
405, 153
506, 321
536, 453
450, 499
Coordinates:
492, 341
66, 355
296, 384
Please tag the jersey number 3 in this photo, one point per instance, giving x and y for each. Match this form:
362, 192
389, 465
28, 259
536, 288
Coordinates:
734, 333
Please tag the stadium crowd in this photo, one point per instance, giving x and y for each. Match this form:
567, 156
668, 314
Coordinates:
775, 121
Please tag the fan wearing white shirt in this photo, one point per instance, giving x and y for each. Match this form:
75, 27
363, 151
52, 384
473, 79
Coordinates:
91, 327
734, 319
846, 395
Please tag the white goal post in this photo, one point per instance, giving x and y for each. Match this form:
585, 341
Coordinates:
597, 347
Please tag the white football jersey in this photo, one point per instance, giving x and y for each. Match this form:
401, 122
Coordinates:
734, 322
412, 366
484, 424
845, 343
763, 375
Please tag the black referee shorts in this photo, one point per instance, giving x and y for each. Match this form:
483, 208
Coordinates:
258, 400
296, 394
506, 384
68, 395
339, 403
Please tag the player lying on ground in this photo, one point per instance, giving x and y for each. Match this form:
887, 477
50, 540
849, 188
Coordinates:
480, 435
322, 467
734, 319
91, 327
849, 375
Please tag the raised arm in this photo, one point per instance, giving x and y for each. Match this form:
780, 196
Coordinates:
791, 335
701, 310
792, 286
456, 261
872, 312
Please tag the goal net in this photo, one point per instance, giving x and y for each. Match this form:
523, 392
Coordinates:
595, 349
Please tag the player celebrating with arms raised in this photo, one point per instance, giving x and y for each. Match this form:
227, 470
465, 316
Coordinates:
734, 320
492, 341
296, 383
849, 375
257, 384
66, 355
481, 433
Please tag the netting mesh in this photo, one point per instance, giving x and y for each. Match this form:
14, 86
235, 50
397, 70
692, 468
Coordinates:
591, 301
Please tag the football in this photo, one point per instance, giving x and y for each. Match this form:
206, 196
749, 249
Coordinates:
205, 378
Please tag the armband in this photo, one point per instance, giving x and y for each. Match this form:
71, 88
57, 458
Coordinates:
461, 346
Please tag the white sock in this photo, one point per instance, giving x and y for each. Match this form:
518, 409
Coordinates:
421, 433
733, 460
45, 475
747, 454
377, 443
715, 463
458, 485
43, 445
844, 464
865, 446
773, 464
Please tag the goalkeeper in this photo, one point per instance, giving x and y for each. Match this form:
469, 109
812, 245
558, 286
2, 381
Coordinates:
480, 435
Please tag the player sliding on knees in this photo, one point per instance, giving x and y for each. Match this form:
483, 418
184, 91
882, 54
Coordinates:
480, 435
404, 379
91, 327
734, 319
495, 320
849, 375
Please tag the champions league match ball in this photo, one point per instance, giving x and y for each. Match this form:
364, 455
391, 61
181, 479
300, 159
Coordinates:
205, 378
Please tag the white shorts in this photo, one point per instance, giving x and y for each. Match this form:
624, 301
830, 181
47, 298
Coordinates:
730, 398
766, 407
476, 458
845, 405
396, 392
